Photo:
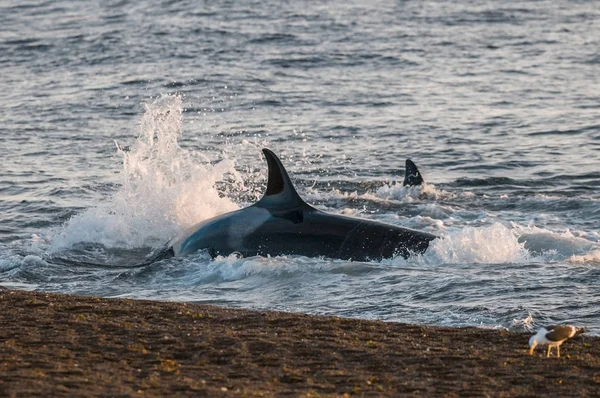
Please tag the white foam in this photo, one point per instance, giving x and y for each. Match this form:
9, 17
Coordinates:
525, 323
164, 188
233, 268
591, 257
203, 269
497, 243
387, 193
396, 191
492, 244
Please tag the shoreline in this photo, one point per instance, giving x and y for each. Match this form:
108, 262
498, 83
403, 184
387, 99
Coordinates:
61, 345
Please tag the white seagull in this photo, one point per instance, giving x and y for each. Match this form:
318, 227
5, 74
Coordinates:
553, 336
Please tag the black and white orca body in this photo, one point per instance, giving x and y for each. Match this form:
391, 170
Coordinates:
281, 223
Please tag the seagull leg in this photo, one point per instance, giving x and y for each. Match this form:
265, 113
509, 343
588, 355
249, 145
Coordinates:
549, 348
558, 350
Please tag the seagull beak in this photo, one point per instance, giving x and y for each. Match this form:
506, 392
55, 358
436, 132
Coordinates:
532, 348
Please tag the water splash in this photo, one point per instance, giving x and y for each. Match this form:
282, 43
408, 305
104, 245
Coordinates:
387, 193
592, 257
491, 244
525, 323
164, 188
396, 191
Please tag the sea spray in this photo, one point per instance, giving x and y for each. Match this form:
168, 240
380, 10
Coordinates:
491, 244
164, 188
593, 257
397, 191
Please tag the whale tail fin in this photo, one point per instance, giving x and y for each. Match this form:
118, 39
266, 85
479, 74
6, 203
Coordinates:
280, 191
412, 175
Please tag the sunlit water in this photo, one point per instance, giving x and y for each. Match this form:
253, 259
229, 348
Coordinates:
123, 123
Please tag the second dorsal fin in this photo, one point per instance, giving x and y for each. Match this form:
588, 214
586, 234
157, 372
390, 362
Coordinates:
412, 176
280, 192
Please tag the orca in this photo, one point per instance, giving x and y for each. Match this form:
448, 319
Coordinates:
281, 223
412, 176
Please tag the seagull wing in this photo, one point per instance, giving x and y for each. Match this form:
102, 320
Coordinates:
561, 332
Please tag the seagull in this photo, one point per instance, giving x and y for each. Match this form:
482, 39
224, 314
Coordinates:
553, 336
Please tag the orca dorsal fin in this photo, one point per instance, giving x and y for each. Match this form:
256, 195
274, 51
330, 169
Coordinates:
280, 191
412, 176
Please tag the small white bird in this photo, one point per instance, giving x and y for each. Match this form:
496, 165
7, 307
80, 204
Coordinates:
553, 336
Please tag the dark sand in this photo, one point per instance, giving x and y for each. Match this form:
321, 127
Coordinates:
61, 345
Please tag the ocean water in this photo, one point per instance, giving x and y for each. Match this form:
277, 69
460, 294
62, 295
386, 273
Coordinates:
122, 123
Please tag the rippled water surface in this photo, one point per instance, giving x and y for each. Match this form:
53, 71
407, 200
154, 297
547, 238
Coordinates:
122, 123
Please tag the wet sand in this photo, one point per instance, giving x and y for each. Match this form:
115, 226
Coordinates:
62, 345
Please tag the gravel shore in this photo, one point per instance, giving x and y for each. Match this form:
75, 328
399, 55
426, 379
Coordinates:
62, 345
